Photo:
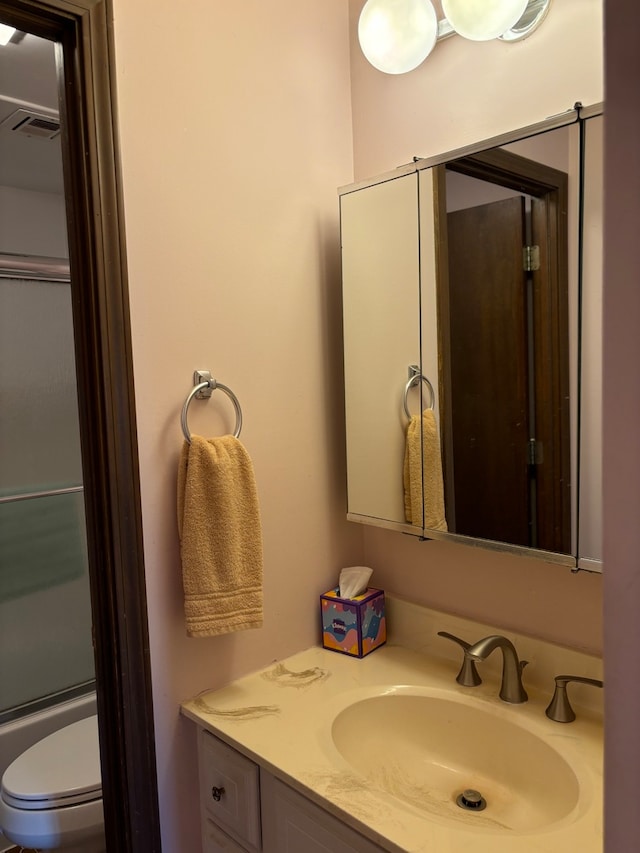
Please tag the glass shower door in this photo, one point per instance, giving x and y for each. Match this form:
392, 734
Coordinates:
46, 650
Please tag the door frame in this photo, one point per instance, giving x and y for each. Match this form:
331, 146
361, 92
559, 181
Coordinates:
82, 30
551, 347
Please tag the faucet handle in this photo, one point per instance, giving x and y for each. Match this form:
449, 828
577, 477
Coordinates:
468, 675
559, 708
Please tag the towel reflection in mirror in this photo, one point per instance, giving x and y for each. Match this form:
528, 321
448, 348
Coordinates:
423, 483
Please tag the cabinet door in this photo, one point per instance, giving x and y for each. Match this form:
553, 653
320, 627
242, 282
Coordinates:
381, 306
214, 840
292, 824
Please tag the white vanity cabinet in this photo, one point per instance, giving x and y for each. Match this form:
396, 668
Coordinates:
293, 824
244, 809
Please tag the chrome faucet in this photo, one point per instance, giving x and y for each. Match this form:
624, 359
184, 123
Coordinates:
511, 689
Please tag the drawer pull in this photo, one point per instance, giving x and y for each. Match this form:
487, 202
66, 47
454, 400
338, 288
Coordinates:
217, 793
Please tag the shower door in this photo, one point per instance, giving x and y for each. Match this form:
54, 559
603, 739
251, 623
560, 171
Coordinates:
46, 652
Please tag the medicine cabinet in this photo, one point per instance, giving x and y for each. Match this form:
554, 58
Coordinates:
472, 291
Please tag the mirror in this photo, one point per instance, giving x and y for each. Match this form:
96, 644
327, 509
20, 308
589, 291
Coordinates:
589, 514
462, 302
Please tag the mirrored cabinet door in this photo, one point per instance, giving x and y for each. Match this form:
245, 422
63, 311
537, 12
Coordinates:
590, 497
506, 345
381, 304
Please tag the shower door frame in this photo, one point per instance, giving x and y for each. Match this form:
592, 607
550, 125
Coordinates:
100, 306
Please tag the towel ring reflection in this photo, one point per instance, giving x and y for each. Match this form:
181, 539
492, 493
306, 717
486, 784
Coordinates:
414, 378
205, 385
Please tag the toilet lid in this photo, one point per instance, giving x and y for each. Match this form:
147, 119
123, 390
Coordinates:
65, 766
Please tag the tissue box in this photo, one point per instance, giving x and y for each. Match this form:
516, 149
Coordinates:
353, 626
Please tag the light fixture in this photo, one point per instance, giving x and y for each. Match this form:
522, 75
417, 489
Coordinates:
5, 34
397, 35
482, 20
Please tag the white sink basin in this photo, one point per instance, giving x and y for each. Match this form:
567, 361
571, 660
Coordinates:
426, 750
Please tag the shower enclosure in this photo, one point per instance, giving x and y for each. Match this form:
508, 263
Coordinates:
46, 654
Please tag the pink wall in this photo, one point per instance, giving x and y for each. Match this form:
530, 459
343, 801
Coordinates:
235, 131
464, 92
622, 445
514, 593
467, 91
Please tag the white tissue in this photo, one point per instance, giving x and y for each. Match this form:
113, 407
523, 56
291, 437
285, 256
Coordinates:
354, 580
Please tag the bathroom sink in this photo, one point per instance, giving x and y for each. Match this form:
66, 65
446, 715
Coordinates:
426, 750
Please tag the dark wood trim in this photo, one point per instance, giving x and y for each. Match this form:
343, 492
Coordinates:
553, 417
551, 344
107, 410
510, 170
444, 341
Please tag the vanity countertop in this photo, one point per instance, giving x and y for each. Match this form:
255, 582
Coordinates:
281, 717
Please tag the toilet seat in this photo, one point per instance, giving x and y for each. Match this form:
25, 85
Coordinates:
61, 770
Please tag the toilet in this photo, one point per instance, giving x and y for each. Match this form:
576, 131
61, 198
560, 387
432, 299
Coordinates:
51, 795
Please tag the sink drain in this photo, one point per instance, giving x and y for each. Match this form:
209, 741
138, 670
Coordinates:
471, 800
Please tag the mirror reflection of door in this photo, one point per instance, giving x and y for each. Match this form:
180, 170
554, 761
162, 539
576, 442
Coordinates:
503, 308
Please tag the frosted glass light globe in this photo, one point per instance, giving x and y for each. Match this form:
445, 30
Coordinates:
397, 35
481, 20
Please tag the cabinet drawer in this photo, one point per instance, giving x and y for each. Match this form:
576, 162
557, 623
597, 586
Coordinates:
214, 840
229, 790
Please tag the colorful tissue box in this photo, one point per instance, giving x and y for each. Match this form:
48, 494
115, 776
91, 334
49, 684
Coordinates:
353, 626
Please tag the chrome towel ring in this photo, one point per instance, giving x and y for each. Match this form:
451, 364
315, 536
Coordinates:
204, 385
414, 378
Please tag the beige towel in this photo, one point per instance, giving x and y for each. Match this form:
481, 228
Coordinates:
423, 449
220, 537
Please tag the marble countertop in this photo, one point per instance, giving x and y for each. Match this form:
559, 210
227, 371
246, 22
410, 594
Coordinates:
281, 718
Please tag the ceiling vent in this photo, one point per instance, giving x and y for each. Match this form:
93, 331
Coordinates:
29, 123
